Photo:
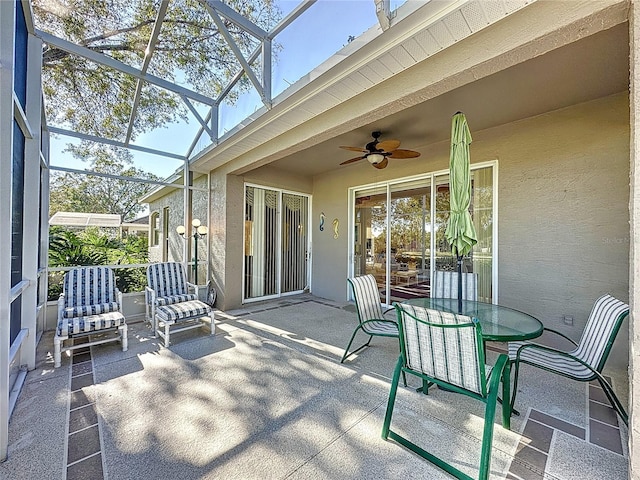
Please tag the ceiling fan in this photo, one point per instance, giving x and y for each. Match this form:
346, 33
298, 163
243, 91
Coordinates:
378, 153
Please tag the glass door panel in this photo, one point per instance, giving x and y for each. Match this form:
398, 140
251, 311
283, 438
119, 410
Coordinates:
480, 259
276, 243
261, 242
295, 225
482, 213
410, 227
370, 235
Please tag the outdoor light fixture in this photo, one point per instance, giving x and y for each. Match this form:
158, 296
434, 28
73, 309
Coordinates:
375, 158
199, 231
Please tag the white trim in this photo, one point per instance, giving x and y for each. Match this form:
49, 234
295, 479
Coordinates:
32, 209
7, 38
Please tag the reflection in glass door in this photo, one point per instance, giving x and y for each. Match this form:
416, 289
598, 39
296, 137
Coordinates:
417, 212
276, 243
410, 221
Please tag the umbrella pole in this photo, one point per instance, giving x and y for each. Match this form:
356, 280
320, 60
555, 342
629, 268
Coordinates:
459, 284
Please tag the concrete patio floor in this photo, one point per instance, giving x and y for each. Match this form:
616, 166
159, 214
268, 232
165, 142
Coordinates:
267, 398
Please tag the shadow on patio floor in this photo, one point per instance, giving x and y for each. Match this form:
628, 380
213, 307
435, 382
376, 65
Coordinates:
267, 397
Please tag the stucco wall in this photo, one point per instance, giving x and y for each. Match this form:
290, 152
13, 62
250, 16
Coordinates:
563, 195
175, 201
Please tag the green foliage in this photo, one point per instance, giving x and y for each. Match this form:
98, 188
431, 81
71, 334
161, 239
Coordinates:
190, 50
95, 247
71, 192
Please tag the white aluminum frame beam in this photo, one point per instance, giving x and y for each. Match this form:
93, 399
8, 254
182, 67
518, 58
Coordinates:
115, 177
266, 54
233, 16
213, 13
201, 121
121, 67
115, 143
155, 33
7, 33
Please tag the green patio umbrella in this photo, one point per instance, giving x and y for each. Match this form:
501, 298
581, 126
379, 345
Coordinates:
460, 232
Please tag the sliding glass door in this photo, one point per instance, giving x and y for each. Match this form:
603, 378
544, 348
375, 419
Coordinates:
399, 234
276, 243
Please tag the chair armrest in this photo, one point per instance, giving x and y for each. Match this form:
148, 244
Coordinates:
119, 299
60, 306
150, 295
561, 334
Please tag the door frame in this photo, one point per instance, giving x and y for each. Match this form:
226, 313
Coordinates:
429, 177
308, 255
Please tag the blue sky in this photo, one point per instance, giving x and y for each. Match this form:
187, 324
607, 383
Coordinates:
316, 35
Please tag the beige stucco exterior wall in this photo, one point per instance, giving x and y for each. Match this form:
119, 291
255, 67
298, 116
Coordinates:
563, 191
174, 200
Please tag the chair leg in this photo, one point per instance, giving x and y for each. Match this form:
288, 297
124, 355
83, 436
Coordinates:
487, 436
166, 334
613, 399
515, 383
124, 337
392, 399
506, 404
346, 352
57, 354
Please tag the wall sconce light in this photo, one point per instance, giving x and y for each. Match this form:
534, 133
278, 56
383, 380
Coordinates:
199, 231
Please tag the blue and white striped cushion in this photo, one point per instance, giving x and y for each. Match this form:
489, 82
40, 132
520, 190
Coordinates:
70, 326
445, 285
448, 354
167, 279
160, 301
89, 286
184, 310
85, 310
605, 315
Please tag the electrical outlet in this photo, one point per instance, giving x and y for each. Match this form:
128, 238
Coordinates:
567, 320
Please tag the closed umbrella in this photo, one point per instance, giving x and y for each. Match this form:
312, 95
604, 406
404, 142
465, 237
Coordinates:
460, 232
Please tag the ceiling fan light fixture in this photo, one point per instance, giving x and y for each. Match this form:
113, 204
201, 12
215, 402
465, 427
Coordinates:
375, 158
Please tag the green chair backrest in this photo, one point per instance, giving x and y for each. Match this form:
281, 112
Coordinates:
443, 346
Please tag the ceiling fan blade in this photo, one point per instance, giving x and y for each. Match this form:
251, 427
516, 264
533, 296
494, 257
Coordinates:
404, 154
354, 149
351, 160
388, 145
382, 164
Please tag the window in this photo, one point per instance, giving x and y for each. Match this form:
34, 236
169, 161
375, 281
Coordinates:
155, 229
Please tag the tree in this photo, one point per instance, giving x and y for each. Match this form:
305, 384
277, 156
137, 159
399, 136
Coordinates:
94, 99
72, 192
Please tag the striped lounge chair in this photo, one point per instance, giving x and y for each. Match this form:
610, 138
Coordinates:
446, 349
170, 306
90, 304
370, 316
587, 360
445, 285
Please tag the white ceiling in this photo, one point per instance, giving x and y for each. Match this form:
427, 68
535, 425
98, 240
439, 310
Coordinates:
593, 67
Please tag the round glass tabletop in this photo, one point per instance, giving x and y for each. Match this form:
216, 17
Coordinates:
499, 324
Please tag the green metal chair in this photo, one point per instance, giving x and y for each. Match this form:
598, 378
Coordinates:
370, 315
446, 349
584, 363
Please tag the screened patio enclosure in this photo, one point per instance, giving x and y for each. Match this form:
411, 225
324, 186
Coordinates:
544, 85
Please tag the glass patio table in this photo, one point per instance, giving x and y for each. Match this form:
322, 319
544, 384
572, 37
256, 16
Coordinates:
499, 323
